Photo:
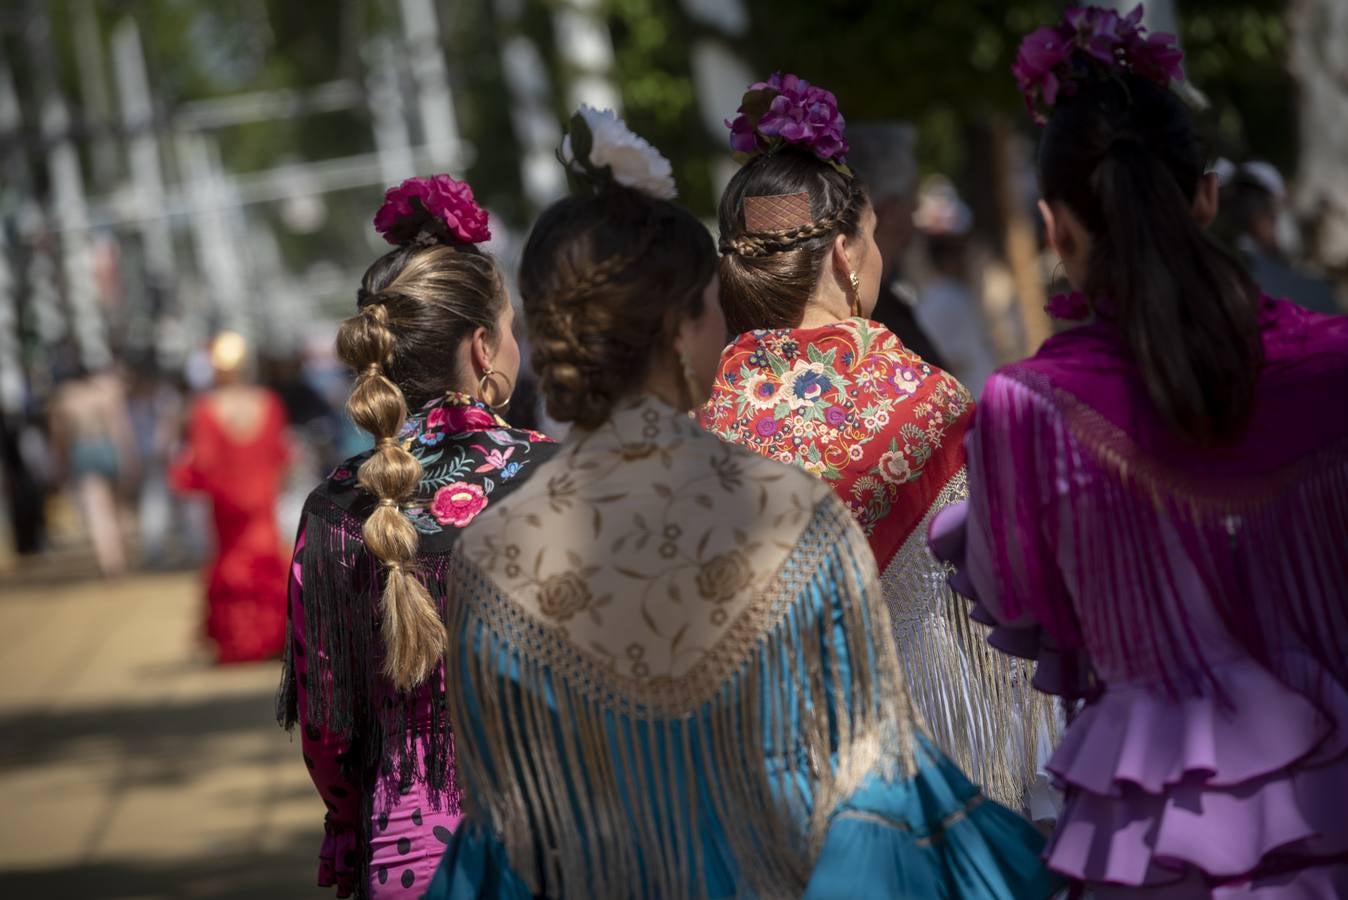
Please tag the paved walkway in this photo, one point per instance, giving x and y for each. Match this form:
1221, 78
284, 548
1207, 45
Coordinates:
130, 769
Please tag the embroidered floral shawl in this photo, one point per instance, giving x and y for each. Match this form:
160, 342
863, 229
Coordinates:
471, 459
667, 653
849, 404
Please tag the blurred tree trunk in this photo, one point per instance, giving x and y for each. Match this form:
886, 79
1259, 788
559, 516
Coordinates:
1318, 56
1018, 234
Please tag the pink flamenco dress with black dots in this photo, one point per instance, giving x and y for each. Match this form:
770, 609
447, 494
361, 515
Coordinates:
381, 759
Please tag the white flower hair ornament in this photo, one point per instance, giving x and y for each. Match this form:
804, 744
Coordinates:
599, 147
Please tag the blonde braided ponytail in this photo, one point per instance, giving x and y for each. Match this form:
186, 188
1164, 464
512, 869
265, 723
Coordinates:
413, 631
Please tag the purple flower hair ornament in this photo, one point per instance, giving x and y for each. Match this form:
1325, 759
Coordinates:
788, 111
1091, 41
434, 210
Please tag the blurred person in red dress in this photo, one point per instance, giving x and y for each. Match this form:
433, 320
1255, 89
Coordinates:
236, 453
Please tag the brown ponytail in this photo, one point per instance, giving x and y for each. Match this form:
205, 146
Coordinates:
417, 305
1124, 155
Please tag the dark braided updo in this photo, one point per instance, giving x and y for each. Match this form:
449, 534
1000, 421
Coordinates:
605, 281
767, 277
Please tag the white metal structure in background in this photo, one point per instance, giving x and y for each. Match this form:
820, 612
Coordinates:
415, 130
137, 107
586, 49
531, 113
67, 198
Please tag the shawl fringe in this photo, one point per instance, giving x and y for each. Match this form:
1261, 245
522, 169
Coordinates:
604, 800
346, 691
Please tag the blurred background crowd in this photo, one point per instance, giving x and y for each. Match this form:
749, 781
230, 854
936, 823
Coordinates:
186, 190
175, 169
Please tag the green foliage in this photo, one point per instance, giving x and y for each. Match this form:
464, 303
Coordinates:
946, 65
651, 41
938, 65
1236, 54
482, 102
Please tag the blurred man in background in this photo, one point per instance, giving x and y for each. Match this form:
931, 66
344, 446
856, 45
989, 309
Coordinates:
1253, 198
95, 452
882, 156
947, 309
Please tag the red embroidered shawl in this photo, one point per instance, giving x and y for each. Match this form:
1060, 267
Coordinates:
849, 403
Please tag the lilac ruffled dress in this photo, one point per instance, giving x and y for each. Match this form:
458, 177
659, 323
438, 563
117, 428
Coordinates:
1195, 600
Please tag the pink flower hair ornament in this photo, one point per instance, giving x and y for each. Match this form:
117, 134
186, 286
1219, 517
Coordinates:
788, 111
434, 210
1089, 42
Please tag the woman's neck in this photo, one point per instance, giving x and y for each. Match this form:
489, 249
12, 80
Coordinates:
826, 306
666, 383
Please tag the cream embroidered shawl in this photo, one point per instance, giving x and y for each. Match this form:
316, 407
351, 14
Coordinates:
668, 648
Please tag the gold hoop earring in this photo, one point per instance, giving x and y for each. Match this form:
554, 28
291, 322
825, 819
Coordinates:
689, 383
855, 279
485, 381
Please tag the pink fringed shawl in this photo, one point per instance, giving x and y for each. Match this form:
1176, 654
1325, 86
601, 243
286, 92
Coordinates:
1088, 517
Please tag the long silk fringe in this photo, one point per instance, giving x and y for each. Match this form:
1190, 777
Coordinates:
600, 795
346, 693
976, 703
1140, 527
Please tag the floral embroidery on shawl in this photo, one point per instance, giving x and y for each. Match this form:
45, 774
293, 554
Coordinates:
851, 405
682, 580
458, 477
657, 609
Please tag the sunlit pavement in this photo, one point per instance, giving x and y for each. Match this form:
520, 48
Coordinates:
129, 767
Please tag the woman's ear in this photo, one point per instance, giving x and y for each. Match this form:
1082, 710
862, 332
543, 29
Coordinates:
481, 349
1206, 200
842, 263
1051, 227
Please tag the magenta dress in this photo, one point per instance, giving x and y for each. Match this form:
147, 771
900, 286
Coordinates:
383, 760
1194, 601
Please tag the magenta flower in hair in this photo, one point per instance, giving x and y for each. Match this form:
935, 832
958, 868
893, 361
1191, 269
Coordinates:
437, 209
1089, 42
787, 110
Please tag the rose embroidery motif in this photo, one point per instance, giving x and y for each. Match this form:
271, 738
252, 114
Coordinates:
437, 418
724, 577
762, 391
469, 418
894, 467
458, 504
563, 595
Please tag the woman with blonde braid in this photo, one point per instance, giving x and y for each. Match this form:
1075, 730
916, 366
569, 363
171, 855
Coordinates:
435, 360
811, 381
